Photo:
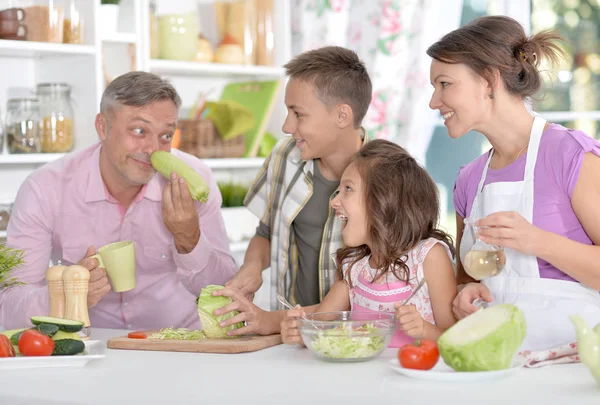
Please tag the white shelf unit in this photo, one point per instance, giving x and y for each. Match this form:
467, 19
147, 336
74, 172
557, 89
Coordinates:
168, 67
3, 234
121, 38
29, 158
24, 49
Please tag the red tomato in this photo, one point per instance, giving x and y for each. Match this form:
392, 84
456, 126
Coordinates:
137, 335
6, 348
419, 355
34, 343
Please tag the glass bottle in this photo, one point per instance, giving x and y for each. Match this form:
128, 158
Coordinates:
57, 117
73, 23
154, 46
23, 125
483, 260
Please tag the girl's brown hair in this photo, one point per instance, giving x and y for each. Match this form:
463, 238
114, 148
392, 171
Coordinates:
402, 208
498, 44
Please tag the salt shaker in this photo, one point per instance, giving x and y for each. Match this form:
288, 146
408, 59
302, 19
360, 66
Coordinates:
75, 279
54, 276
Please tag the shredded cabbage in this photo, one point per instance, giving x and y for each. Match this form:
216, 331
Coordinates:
178, 334
337, 344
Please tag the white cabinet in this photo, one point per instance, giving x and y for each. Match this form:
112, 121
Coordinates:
85, 67
24, 64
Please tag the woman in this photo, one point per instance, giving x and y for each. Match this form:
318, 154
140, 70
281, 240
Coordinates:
536, 192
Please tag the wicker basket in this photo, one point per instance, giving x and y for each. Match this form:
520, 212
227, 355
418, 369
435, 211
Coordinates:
200, 138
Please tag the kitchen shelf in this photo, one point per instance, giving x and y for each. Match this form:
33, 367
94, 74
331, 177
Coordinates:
239, 163
121, 38
213, 69
26, 49
29, 158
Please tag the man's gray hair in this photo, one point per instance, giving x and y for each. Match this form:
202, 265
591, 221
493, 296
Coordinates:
137, 89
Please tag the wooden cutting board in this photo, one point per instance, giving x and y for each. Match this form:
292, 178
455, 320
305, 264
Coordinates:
234, 345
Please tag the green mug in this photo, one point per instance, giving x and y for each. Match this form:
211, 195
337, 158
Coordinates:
118, 259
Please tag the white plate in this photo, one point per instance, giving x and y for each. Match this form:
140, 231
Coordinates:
442, 372
94, 349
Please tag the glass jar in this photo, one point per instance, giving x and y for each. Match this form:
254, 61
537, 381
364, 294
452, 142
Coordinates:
57, 117
73, 23
154, 47
23, 125
44, 20
5, 207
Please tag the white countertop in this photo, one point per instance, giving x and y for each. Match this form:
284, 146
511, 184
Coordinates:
279, 375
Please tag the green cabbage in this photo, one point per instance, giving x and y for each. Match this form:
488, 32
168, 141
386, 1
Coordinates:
337, 344
207, 304
484, 341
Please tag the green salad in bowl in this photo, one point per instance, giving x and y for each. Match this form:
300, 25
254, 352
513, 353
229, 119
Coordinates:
347, 336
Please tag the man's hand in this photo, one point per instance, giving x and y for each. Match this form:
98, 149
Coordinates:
98, 285
247, 280
179, 214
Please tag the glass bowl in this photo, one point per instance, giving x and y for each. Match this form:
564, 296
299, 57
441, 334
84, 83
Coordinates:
346, 336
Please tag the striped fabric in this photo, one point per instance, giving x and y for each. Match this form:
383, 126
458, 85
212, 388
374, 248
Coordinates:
281, 189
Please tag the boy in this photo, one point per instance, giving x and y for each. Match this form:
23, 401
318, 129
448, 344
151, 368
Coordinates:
327, 97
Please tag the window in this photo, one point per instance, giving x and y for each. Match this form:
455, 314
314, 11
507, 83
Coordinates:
570, 95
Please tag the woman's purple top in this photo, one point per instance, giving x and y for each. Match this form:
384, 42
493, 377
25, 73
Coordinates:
556, 173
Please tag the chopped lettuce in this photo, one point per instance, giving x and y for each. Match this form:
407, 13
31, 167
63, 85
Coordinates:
178, 334
337, 343
207, 304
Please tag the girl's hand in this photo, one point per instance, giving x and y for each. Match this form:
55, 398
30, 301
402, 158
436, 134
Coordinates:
410, 320
289, 327
511, 230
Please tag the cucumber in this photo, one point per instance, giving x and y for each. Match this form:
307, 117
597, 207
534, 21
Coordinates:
165, 163
66, 325
68, 347
47, 329
14, 339
16, 333
61, 335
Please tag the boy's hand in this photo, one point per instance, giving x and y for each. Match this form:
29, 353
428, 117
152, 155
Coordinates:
257, 320
289, 327
410, 320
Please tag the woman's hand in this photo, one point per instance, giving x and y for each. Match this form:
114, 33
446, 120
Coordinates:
289, 327
511, 230
462, 306
257, 320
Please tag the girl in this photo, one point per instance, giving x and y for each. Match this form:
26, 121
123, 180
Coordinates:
535, 192
389, 209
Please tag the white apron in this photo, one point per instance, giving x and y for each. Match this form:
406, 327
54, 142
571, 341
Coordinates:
547, 303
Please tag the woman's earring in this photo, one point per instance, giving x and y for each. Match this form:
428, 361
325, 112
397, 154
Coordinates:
491, 95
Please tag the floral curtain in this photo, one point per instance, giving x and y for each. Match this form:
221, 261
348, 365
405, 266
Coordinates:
391, 37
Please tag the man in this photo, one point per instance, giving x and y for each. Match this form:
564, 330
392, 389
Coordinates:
327, 97
110, 192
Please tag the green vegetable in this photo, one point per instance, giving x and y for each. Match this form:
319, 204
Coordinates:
178, 334
9, 259
338, 344
484, 341
47, 329
588, 341
165, 163
68, 347
66, 325
14, 335
61, 335
207, 304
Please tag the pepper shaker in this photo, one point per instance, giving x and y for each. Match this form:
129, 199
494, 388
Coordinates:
54, 276
75, 279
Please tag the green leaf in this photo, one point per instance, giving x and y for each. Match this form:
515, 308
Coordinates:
9, 259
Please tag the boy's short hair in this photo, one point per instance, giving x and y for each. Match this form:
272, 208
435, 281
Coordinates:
338, 75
